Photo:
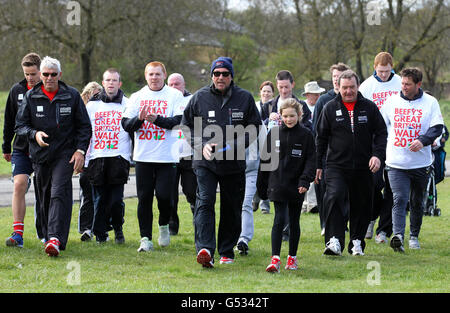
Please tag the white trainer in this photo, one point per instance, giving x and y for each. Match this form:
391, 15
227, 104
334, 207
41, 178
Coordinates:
369, 232
164, 235
414, 243
357, 249
381, 237
333, 247
146, 245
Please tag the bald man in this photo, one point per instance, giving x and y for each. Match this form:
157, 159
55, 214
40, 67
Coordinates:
184, 168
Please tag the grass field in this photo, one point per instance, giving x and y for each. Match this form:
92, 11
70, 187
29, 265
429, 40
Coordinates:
110, 268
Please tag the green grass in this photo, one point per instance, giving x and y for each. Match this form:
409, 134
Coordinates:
119, 268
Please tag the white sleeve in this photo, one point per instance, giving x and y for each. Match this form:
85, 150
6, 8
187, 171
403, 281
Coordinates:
436, 115
179, 104
385, 109
132, 106
363, 89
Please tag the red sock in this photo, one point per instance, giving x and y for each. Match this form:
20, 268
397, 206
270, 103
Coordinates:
18, 228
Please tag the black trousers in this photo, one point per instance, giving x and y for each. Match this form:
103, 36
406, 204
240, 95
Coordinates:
54, 190
186, 175
358, 185
86, 214
232, 192
108, 209
292, 210
154, 179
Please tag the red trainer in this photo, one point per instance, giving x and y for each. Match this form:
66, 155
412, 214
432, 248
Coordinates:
205, 259
274, 266
292, 263
52, 247
225, 260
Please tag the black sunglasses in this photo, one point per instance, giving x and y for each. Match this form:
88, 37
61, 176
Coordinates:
50, 74
224, 74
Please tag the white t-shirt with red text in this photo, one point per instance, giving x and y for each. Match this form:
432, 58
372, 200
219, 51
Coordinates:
184, 148
152, 143
405, 121
378, 92
108, 139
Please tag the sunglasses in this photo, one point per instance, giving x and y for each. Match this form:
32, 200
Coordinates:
49, 74
224, 74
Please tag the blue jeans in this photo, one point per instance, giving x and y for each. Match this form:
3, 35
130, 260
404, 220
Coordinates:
251, 173
408, 185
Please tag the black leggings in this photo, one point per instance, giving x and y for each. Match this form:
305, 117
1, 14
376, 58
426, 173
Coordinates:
294, 210
158, 179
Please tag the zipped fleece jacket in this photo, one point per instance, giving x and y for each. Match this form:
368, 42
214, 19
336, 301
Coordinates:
345, 149
296, 166
217, 111
265, 111
15, 98
64, 120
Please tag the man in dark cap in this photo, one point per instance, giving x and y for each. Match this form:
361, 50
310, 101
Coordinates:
224, 108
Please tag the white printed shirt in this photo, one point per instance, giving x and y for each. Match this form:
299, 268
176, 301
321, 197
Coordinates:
108, 139
405, 121
152, 143
379, 92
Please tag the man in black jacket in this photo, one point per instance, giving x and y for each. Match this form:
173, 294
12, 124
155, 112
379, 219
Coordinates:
219, 108
20, 160
335, 70
352, 133
54, 119
285, 86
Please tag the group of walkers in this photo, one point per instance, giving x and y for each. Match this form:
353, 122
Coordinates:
362, 150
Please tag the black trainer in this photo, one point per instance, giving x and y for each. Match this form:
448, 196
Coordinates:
397, 243
120, 238
242, 246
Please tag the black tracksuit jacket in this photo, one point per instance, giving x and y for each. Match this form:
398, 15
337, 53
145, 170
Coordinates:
296, 167
345, 149
236, 107
15, 97
65, 120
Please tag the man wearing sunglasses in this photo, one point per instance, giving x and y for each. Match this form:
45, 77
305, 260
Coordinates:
219, 106
55, 121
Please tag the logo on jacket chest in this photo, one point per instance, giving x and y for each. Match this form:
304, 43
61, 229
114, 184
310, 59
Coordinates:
65, 110
296, 150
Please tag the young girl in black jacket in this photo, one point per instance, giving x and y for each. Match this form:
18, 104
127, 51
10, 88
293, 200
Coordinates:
286, 170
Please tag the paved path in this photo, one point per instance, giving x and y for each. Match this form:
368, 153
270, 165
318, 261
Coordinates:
6, 189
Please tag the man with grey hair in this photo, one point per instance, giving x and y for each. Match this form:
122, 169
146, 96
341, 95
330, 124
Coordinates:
352, 134
54, 119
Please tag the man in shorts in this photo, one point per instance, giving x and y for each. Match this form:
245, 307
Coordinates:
19, 156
